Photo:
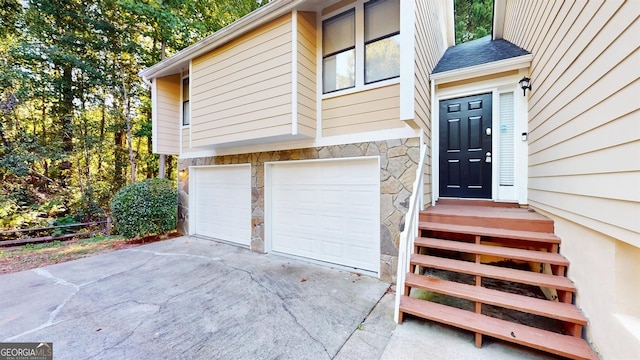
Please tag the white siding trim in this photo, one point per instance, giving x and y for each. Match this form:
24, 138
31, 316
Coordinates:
154, 116
294, 72
380, 135
522, 146
319, 80
180, 127
407, 60
190, 104
435, 142
192, 199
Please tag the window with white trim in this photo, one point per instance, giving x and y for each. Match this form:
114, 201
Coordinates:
371, 29
186, 109
381, 40
338, 51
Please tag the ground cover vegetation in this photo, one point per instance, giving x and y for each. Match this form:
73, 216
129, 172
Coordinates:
145, 207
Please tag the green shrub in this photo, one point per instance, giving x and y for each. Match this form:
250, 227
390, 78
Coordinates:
145, 207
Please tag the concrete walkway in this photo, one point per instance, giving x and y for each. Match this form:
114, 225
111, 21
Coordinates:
188, 298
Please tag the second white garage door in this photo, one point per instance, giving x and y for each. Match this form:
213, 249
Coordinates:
327, 211
220, 203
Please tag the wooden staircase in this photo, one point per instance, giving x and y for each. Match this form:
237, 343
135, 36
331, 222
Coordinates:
471, 261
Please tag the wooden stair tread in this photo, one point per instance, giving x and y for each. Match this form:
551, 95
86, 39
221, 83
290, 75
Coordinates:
550, 309
492, 232
564, 345
477, 202
495, 272
506, 252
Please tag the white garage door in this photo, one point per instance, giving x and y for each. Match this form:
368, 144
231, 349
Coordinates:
328, 211
221, 198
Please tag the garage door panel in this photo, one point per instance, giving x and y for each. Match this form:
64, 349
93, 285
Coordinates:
223, 203
327, 211
361, 227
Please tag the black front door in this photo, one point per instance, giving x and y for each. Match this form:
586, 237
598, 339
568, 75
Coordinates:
465, 147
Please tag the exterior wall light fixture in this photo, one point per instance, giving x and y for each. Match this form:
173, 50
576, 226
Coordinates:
525, 83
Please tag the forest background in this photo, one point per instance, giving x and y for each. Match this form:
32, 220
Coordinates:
75, 117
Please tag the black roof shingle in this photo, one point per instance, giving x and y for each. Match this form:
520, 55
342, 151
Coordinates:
477, 52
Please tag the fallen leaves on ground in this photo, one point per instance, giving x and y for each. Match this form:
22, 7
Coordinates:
26, 258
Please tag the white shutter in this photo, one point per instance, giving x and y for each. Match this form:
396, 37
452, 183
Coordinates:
506, 168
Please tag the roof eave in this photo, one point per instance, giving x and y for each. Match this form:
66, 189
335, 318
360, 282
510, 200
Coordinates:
254, 19
514, 63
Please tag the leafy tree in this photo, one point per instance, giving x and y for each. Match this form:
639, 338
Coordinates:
10, 11
473, 19
75, 116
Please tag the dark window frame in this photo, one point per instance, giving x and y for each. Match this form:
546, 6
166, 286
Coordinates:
186, 108
344, 13
383, 37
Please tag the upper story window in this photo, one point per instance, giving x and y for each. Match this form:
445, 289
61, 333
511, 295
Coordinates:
338, 51
186, 110
381, 40
361, 45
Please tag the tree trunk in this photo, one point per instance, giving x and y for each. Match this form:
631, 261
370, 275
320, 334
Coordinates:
66, 115
102, 125
119, 162
170, 166
127, 117
161, 167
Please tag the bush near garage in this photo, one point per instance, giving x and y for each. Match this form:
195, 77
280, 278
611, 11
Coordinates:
145, 207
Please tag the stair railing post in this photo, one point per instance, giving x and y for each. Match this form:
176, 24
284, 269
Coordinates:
408, 234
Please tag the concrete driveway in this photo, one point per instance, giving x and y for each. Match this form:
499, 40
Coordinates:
188, 298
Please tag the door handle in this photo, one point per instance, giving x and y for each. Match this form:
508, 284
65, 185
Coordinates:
488, 131
488, 157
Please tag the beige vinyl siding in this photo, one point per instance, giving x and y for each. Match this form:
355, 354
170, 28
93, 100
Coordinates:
369, 110
583, 127
242, 90
306, 73
428, 51
185, 140
584, 143
477, 79
167, 120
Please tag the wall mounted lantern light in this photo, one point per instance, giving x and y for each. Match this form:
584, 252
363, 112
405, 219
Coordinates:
525, 83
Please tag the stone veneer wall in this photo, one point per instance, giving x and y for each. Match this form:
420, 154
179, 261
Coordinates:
398, 165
